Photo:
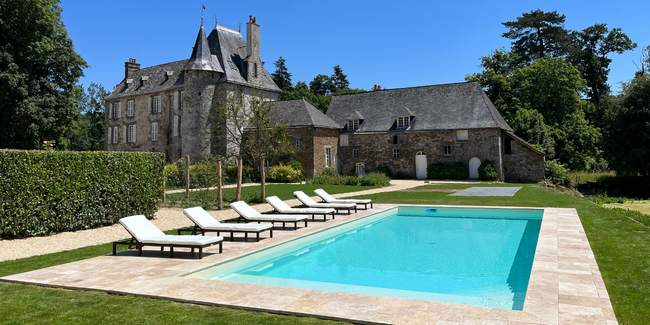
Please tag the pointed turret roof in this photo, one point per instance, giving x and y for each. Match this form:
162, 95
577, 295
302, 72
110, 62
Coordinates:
201, 58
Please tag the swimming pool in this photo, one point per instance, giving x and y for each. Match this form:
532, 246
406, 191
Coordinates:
471, 256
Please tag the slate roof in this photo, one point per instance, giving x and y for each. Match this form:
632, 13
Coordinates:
157, 80
201, 58
224, 50
525, 144
459, 106
300, 113
229, 47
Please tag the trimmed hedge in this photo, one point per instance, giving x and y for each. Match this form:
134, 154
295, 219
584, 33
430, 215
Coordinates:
486, 171
47, 192
456, 170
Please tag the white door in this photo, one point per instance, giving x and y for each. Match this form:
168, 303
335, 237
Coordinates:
421, 165
474, 163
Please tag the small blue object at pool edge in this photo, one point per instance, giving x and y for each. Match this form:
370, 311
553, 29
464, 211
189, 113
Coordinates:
430, 210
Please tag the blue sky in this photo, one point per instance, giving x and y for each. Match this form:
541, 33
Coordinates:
394, 44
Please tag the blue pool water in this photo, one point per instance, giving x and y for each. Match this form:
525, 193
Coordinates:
479, 257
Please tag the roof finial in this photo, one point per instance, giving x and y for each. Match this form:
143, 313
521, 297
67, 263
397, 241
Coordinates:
202, 15
240, 26
215, 21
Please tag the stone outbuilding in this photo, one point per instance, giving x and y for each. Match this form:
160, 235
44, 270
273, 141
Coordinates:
166, 108
408, 129
314, 136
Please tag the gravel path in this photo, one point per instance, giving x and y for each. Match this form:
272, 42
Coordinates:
165, 219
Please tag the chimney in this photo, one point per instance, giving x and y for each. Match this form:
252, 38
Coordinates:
252, 39
130, 67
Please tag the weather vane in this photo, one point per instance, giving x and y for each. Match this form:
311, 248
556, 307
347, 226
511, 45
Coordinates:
202, 15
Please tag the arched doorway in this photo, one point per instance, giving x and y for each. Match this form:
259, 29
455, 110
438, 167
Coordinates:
421, 165
474, 164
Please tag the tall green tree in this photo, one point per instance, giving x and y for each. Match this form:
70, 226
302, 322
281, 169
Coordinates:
281, 75
589, 52
87, 128
39, 69
627, 129
321, 85
338, 80
537, 34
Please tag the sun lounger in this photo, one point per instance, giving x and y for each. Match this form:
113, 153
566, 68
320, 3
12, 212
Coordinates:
310, 203
203, 222
249, 214
330, 199
281, 207
145, 233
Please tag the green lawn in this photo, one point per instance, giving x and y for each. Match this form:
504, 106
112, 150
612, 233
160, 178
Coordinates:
283, 191
582, 176
621, 247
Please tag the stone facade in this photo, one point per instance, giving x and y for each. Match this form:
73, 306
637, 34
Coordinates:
522, 164
314, 142
377, 150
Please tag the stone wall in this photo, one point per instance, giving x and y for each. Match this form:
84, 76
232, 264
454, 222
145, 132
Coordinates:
376, 150
305, 154
324, 138
523, 164
312, 153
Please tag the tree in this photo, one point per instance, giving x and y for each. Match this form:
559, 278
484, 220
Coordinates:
281, 76
537, 34
338, 80
39, 69
264, 141
321, 85
529, 125
588, 51
627, 131
644, 62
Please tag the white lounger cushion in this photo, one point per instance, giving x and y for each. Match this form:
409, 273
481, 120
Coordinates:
282, 207
206, 222
245, 210
330, 199
308, 201
146, 232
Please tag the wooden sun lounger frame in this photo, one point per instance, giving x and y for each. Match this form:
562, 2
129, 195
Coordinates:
139, 245
312, 214
196, 229
365, 205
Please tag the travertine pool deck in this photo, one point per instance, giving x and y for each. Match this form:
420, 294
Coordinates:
565, 285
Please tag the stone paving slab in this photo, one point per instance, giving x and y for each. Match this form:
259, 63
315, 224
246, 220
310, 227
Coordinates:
488, 191
565, 285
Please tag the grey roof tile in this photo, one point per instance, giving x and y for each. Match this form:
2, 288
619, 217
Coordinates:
157, 80
201, 59
458, 106
300, 113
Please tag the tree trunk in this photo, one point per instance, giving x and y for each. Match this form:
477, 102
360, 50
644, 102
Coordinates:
239, 177
219, 193
597, 120
187, 177
262, 179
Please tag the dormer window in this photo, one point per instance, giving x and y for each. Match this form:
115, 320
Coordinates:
403, 122
353, 124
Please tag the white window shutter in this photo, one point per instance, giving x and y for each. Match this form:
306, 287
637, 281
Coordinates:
134, 128
115, 135
109, 136
180, 125
175, 125
125, 134
110, 110
149, 101
159, 103
175, 100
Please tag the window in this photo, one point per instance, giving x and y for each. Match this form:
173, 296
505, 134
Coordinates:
115, 134
109, 137
131, 133
175, 125
255, 69
180, 126
118, 110
395, 153
267, 163
328, 157
403, 122
462, 135
181, 100
298, 142
343, 140
156, 104
394, 139
508, 146
355, 153
353, 124
154, 131
129, 108
447, 150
